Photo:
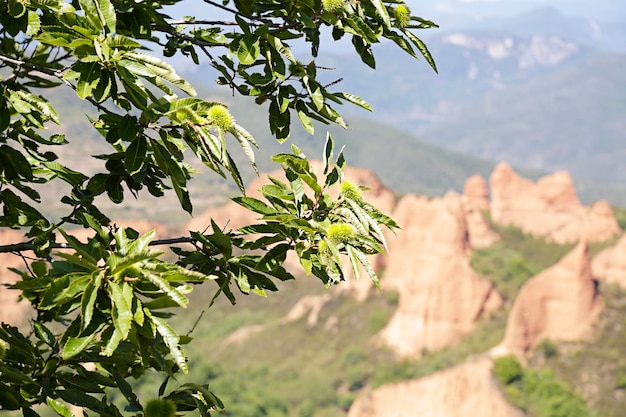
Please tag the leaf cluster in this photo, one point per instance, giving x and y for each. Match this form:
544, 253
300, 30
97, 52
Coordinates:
107, 301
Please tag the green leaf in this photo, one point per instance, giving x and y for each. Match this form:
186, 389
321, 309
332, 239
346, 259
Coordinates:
125, 388
89, 298
82, 249
122, 315
307, 124
360, 28
381, 9
100, 407
159, 68
60, 408
245, 140
112, 343
254, 204
18, 164
355, 100
44, 334
90, 8
75, 345
368, 267
172, 292
171, 339
90, 74
368, 222
106, 12
34, 23
421, 46
354, 261
248, 50
328, 152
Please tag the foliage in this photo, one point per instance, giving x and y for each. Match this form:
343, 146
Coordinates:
108, 301
507, 369
539, 392
600, 361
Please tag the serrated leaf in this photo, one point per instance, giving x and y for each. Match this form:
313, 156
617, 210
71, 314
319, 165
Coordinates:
254, 204
81, 249
122, 314
75, 345
368, 267
89, 298
354, 99
160, 68
34, 23
248, 50
245, 141
60, 408
381, 9
171, 292
358, 27
354, 261
306, 122
44, 334
79, 398
421, 46
90, 9
171, 339
112, 343
89, 78
136, 155
106, 12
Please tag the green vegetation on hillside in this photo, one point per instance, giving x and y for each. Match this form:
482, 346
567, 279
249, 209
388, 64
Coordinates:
538, 392
319, 370
510, 262
596, 368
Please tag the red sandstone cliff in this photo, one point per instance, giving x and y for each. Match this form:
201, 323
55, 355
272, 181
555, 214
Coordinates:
559, 303
441, 296
548, 208
467, 390
610, 264
475, 202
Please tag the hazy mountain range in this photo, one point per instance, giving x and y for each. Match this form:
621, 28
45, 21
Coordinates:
542, 89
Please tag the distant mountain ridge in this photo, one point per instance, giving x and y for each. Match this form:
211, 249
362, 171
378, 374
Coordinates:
572, 119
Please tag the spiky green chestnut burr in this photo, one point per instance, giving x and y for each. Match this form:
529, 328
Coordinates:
221, 118
160, 408
341, 233
403, 15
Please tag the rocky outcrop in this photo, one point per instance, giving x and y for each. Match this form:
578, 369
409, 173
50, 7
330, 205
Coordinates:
475, 203
610, 264
12, 311
548, 208
558, 304
440, 295
476, 193
462, 391
310, 306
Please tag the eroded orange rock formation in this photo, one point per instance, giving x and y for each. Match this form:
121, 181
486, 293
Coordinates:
559, 303
11, 311
462, 391
548, 208
610, 264
475, 202
441, 296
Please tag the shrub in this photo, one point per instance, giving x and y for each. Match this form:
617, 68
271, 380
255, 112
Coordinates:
377, 319
548, 348
507, 369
